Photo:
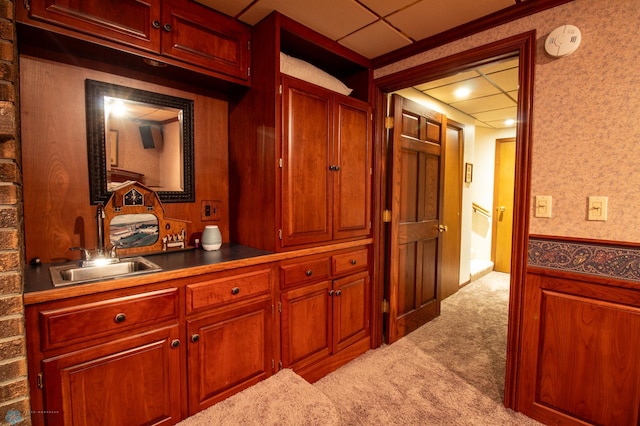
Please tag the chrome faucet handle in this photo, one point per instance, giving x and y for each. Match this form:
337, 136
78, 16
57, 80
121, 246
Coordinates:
84, 253
113, 252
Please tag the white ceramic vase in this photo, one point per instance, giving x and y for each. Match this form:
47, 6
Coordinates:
211, 238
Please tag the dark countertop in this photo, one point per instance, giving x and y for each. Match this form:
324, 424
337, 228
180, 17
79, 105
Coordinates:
175, 265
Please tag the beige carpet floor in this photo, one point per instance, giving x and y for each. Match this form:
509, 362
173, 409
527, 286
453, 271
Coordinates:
448, 372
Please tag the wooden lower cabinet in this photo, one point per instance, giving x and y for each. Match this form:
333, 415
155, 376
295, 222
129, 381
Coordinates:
135, 381
229, 351
325, 323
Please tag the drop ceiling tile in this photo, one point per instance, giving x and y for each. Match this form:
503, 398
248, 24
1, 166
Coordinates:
507, 80
479, 87
499, 66
465, 75
375, 40
228, 7
437, 16
333, 18
483, 104
386, 7
497, 114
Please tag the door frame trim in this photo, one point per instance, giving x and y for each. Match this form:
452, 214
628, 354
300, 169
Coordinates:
524, 45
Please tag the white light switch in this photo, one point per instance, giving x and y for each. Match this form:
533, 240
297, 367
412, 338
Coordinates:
543, 206
597, 208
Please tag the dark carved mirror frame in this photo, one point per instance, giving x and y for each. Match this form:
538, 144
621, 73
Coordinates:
95, 91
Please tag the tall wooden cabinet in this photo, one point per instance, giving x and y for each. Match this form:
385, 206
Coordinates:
300, 155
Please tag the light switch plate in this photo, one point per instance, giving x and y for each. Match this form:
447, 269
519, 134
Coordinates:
597, 208
543, 206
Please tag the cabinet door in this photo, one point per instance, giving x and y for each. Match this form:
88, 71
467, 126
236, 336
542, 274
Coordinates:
203, 37
125, 21
306, 190
352, 176
306, 325
228, 351
130, 381
350, 310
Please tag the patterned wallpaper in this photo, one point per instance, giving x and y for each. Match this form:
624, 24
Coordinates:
586, 115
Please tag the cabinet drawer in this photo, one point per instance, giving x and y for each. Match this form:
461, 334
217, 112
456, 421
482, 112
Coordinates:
349, 262
214, 292
306, 271
64, 326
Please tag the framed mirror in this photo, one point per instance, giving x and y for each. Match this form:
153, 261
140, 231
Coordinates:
141, 136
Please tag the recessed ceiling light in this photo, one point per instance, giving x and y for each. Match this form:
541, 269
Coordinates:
462, 92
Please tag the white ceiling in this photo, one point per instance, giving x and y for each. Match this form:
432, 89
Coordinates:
369, 27
375, 27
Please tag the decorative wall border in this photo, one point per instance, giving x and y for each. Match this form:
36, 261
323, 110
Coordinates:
601, 259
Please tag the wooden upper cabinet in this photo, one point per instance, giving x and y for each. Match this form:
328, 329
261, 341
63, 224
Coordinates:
326, 165
203, 37
182, 30
131, 22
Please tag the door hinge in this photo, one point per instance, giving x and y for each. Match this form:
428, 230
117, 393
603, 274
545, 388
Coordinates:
280, 307
280, 233
388, 122
281, 162
386, 216
385, 306
249, 45
40, 380
249, 71
273, 364
280, 365
280, 89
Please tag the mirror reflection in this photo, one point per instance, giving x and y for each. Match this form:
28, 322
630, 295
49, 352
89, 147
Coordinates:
143, 144
141, 136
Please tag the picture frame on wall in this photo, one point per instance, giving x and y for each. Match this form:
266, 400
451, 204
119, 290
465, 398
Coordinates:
468, 172
113, 148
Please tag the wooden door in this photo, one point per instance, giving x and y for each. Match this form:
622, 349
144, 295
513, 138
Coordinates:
227, 352
350, 310
306, 325
503, 204
415, 245
203, 37
352, 169
306, 192
131, 381
130, 22
452, 209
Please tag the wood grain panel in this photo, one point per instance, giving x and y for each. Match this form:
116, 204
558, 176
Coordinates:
57, 211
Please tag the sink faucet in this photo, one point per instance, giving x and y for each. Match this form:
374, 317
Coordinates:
100, 225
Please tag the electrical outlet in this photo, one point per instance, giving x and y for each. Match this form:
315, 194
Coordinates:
210, 210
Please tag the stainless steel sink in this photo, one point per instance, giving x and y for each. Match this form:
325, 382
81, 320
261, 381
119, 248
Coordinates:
74, 274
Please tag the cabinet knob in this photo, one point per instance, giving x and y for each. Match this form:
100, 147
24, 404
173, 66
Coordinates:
175, 343
353, 261
309, 272
235, 290
338, 292
336, 168
332, 167
195, 338
167, 27
121, 317
331, 292
155, 24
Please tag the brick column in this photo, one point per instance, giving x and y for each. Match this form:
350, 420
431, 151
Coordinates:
14, 389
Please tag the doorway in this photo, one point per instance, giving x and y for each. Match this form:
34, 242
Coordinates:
522, 46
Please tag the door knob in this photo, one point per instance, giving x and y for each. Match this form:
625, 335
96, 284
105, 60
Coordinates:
442, 228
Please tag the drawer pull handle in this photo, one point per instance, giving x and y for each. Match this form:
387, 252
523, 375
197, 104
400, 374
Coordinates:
175, 343
338, 292
235, 290
120, 318
309, 273
353, 261
195, 338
